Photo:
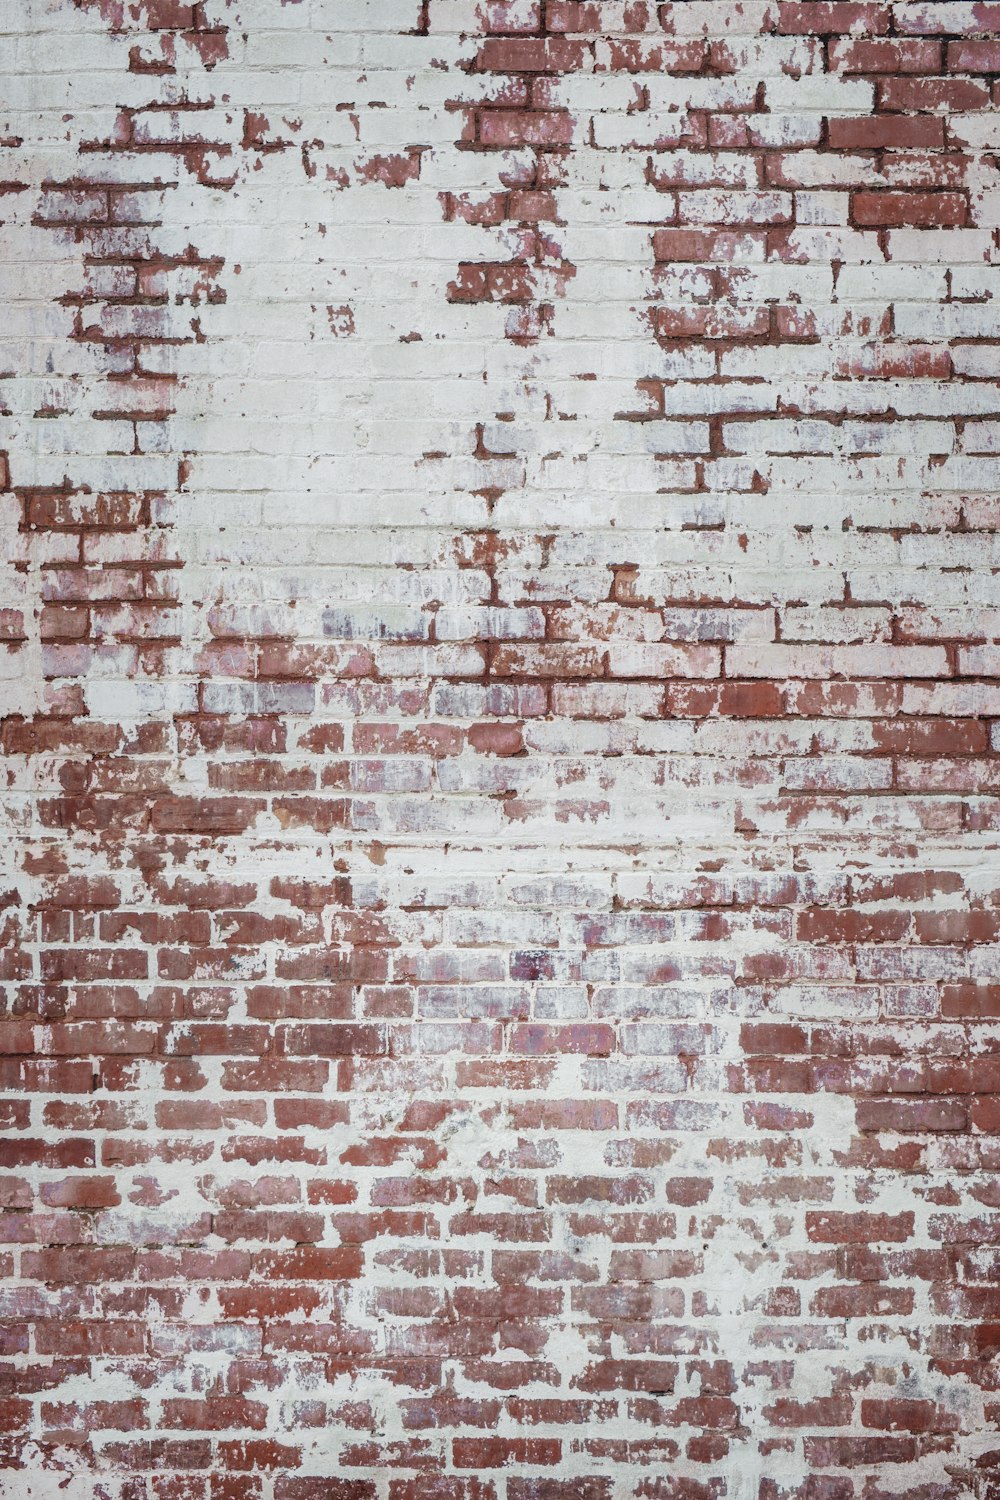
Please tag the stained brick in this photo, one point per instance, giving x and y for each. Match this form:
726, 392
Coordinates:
498, 913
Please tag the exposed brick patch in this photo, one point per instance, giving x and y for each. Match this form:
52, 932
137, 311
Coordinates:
498, 646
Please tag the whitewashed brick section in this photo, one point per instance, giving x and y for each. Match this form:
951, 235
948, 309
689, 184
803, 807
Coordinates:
498, 656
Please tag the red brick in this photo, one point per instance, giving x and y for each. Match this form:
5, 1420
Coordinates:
823, 17
861, 1228
921, 209
880, 132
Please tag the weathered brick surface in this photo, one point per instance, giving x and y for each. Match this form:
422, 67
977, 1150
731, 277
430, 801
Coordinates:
501, 821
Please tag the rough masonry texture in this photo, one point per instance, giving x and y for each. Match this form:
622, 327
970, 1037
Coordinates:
500, 713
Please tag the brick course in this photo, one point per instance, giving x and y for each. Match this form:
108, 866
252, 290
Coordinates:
498, 692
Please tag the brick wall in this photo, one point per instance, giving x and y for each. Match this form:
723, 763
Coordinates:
501, 895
